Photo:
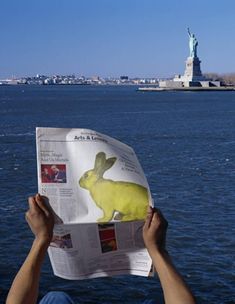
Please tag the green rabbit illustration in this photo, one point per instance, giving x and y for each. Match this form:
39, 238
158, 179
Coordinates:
130, 200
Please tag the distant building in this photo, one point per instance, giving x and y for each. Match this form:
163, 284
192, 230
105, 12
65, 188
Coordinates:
124, 78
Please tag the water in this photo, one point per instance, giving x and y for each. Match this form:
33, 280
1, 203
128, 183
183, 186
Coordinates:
185, 142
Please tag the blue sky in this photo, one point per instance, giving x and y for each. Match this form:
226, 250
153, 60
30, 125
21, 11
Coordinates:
145, 38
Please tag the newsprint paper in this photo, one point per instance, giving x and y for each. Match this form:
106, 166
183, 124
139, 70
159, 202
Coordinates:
99, 195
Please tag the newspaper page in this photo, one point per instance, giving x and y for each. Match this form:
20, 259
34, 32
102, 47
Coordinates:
99, 195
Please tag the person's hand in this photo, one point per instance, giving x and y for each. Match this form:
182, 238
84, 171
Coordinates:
154, 230
40, 218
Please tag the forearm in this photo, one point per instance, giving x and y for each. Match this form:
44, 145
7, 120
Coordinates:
24, 289
174, 288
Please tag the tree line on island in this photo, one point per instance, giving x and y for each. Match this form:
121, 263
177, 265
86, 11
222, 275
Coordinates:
226, 79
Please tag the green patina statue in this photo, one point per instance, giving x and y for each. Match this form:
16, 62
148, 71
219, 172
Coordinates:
193, 43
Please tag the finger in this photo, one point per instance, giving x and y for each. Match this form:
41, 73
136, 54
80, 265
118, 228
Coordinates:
46, 203
159, 220
156, 219
162, 219
33, 207
148, 217
28, 217
42, 204
158, 211
159, 214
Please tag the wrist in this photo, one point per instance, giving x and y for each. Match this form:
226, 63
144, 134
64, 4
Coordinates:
38, 250
42, 241
154, 249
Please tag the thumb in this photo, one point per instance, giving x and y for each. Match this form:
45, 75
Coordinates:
148, 217
33, 207
42, 204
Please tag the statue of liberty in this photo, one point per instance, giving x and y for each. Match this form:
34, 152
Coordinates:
193, 43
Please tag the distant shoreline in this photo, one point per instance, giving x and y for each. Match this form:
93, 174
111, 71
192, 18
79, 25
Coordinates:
196, 89
74, 84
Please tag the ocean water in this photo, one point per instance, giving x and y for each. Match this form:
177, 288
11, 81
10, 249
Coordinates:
185, 142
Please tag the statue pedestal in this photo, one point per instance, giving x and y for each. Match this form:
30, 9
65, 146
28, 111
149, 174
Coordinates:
193, 70
192, 76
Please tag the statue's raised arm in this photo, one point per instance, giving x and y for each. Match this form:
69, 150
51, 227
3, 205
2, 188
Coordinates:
189, 32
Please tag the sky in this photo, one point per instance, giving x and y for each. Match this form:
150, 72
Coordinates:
109, 38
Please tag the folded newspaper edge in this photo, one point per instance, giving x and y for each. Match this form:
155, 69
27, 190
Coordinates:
99, 195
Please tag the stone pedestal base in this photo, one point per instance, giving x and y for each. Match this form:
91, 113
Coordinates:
188, 84
193, 70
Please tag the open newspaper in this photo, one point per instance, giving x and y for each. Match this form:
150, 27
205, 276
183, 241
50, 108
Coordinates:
99, 195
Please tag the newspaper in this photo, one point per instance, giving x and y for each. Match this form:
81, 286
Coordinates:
99, 195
